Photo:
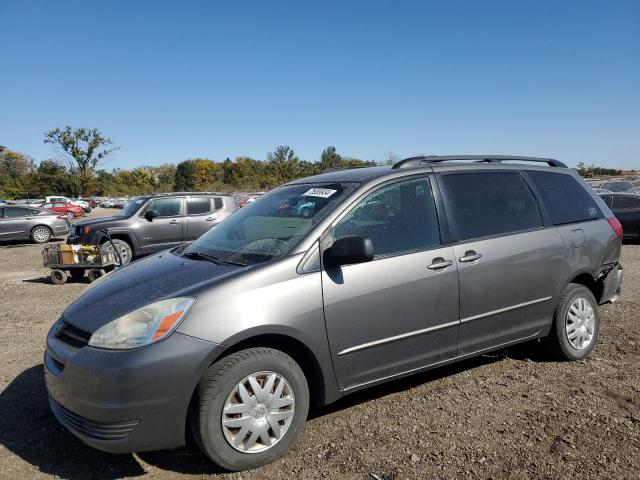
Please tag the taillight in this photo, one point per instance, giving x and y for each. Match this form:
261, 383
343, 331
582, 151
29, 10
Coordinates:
617, 227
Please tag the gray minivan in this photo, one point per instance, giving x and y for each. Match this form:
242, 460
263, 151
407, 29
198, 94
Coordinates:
395, 269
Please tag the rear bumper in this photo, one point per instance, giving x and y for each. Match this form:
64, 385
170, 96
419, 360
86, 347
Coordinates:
613, 285
126, 401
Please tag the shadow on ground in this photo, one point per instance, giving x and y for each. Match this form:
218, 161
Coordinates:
29, 430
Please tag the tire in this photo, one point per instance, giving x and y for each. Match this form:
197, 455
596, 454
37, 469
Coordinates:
77, 274
574, 332
41, 234
87, 210
95, 273
58, 277
215, 391
70, 216
123, 247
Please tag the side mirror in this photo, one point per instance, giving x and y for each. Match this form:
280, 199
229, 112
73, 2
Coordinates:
349, 250
150, 215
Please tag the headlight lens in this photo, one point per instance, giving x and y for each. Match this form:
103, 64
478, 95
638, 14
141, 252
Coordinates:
143, 326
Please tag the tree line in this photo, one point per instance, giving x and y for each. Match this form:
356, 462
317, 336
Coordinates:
77, 170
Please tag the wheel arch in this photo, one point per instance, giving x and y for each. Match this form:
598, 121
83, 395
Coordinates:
125, 237
586, 279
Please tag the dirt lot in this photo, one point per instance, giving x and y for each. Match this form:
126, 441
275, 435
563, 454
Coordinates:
513, 414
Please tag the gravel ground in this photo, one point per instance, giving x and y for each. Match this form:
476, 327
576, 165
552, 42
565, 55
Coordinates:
512, 414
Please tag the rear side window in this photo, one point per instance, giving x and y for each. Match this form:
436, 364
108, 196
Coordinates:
566, 200
491, 203
217, 203
198, 205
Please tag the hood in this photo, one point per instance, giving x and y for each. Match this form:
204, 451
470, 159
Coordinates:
140, 283
99, 221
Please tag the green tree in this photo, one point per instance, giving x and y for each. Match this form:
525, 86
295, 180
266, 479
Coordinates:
284, 164
185, 178
330, 159
83, 149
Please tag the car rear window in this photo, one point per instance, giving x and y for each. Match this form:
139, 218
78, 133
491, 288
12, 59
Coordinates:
564, 197
491, 203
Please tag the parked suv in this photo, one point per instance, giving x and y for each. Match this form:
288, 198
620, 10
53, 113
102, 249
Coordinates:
152, 223
395, 270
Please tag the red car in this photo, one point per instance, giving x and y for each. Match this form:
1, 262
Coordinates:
69, 209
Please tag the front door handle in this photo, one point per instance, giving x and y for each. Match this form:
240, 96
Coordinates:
440, 263
470, 256
174, 222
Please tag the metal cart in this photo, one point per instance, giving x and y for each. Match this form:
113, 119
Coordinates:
76, 260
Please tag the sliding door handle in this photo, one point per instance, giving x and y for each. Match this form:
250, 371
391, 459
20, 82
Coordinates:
470, 256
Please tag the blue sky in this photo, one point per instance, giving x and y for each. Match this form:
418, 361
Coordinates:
175, 80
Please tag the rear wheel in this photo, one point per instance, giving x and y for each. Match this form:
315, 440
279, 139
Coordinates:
95, 273
58, 277
249, 408
576, 324
41, 234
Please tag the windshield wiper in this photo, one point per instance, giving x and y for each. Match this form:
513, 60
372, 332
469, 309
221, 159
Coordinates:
211, 258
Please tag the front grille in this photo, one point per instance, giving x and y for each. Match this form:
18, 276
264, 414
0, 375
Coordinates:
73, 335
90, 428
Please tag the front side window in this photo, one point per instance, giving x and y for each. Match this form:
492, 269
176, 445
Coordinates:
198, 205
165, 207
491, 203
625, 203
272, 226
566, 200
400, 217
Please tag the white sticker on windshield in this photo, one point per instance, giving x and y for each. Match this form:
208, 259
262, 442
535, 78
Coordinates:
319, 192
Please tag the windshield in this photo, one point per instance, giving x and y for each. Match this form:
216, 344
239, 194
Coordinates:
272, 225
131, 207
617, 186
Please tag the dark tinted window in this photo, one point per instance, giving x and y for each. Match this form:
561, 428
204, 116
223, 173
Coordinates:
397, 218
217, 203
625, 203
618, 186
566, 200
495, 203
17, 212
166, 207
198, 205
607, 199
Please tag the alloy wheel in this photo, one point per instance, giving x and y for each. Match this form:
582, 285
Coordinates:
41, 235
258, 412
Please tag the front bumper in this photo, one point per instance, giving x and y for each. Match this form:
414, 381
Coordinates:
126, 401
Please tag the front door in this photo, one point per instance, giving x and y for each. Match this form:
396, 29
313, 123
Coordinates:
15, 223
509, 264
398, 312
166, 229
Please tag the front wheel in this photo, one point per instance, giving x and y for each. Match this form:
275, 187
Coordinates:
70, 216
249, 408
126, 253
576, 324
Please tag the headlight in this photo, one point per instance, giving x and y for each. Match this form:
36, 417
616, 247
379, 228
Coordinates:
143, 326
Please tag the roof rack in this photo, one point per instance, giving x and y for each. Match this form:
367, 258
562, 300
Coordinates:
417, 161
